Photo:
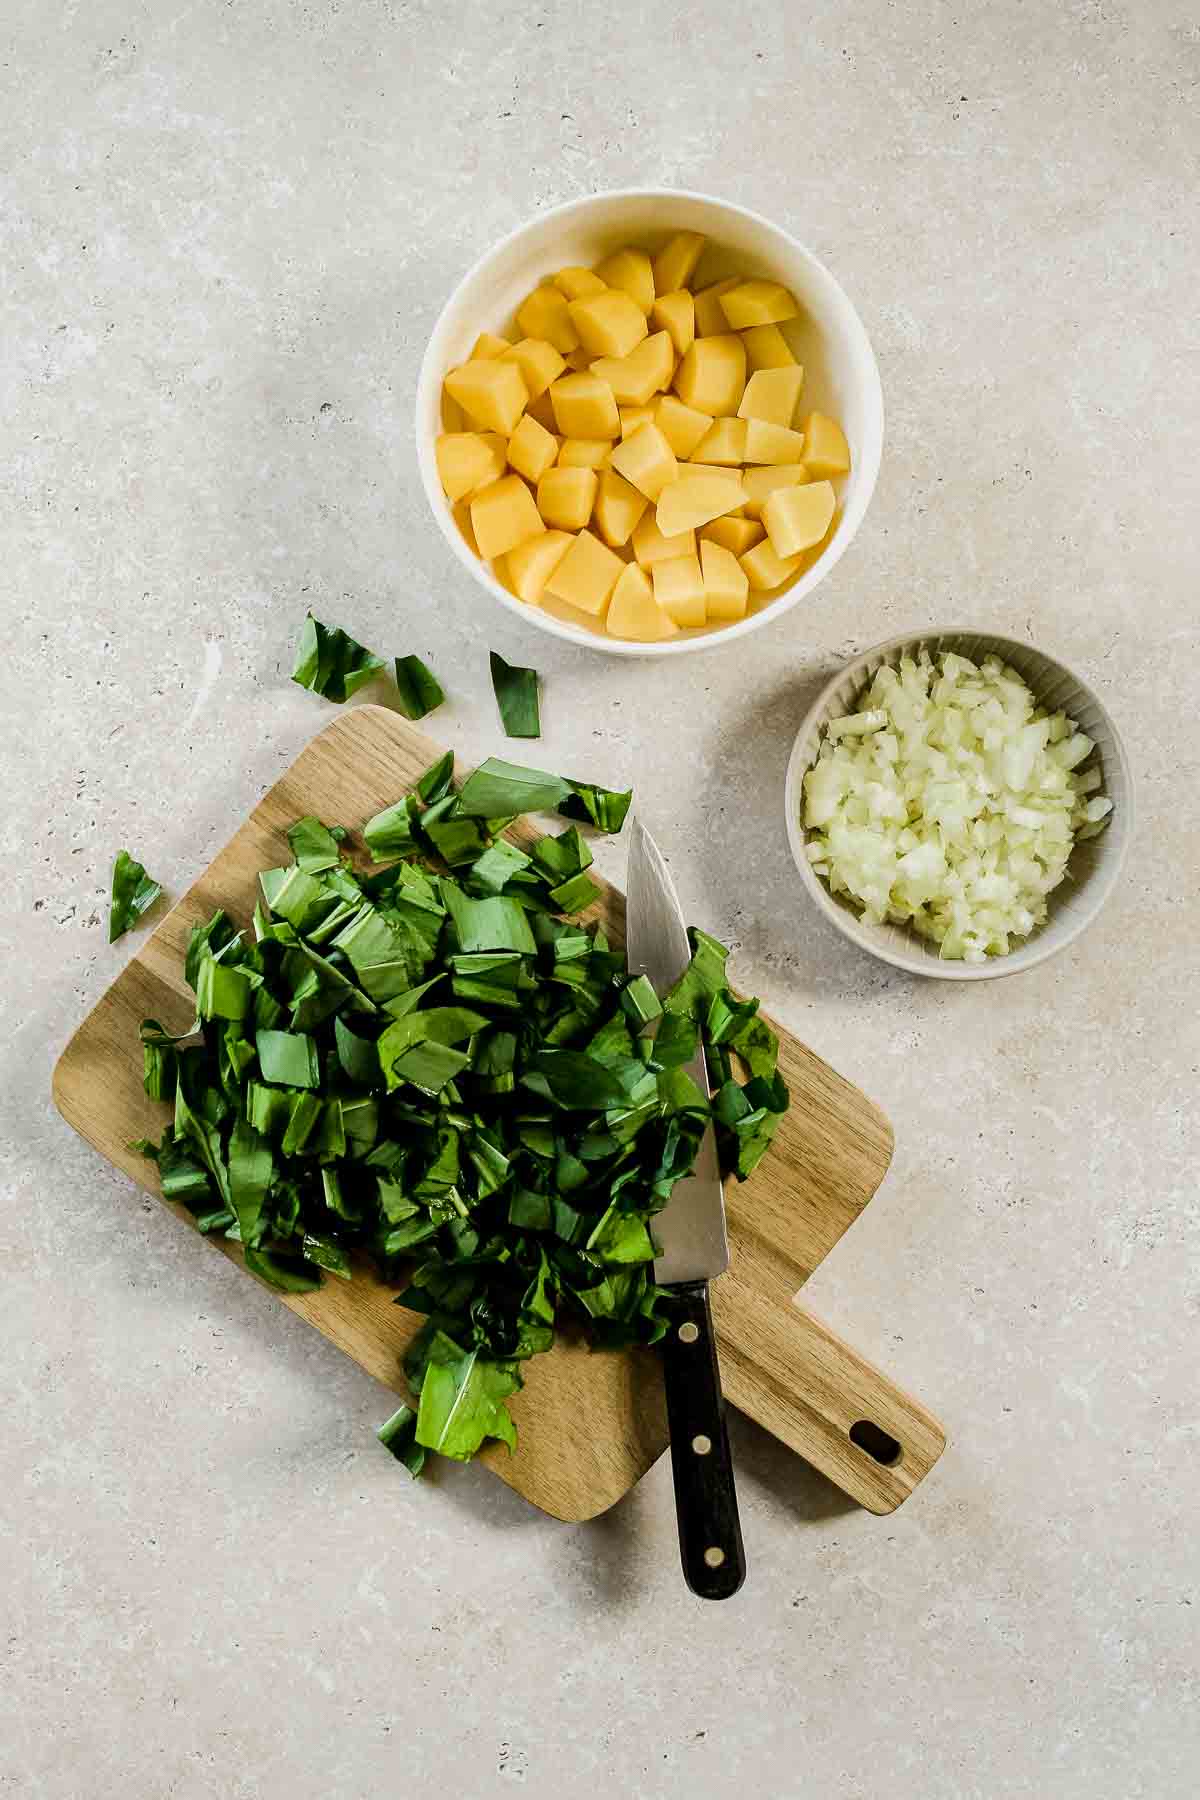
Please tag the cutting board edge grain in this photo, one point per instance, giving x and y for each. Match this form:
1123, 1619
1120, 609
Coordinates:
590, 1425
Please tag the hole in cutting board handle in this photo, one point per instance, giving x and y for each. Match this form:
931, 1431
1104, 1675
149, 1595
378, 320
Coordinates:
876, 1442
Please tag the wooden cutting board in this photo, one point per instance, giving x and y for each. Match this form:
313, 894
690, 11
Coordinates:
589, 1424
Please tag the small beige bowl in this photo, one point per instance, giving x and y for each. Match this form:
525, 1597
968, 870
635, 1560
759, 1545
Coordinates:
1095, 864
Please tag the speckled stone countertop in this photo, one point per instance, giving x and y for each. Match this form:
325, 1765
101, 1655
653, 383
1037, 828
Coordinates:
226, 230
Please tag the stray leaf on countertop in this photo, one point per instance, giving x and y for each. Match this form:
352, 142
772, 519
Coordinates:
133, 894
331, 663
516, 692
417, 687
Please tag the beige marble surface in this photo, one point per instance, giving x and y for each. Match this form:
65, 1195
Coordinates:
225, 230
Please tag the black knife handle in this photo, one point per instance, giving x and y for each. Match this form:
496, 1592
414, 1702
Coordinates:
710, 1533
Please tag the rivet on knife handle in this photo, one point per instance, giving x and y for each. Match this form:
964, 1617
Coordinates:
710, 1532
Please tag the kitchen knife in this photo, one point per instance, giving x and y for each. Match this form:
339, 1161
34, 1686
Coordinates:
693, 1248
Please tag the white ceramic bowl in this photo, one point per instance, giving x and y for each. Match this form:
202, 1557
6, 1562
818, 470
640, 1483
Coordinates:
1094, 866
840, 376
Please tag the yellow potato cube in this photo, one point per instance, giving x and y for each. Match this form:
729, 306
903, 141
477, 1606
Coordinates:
634, 612
826, 451
466, 461
634, 378
765, 570
676, 262
759, 484
580, 360
538, 361
726, 584
710, 320
772, 395
453, 417
492, 394
724, 442
461, 514
504, 515
565, 497
772, 443
532, 449
695, 499
584, 407
546, 314
578, 283
584, 453
767, 348
630, 272
676, 313
647, 460
634, 416
712, 376
679, 590
487, 347
651, 547
757, 303
542, 410
529, 567
733, 533
618, 508
796, 518
682, 426
608, 324
587, 574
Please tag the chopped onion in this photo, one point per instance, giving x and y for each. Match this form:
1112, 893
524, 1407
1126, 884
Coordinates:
950, 801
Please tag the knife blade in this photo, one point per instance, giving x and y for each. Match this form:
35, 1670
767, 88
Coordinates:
693, 1247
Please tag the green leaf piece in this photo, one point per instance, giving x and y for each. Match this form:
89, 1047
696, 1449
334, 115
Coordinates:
331, 663
418, 690
133, 894
516, 691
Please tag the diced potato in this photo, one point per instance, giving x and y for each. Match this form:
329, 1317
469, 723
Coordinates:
695, 499
584, 453
676, 262
584, 407
532, 563
542, 409
710, 320
796, 518
504, 515
647, 460
492, 394
682, 426
453, 417
765, 570
634, 378
676, 313
629, 270
650, 546
618, 507
546, 314
487, 346
578, 283
733, 533
532, 449
679, 590
759, 484
580, 360
726, 584
538, 361
586, 575
724, 442
466, 461
826, 451
634, 416
712, 376
608, 324
771, 443
565, 497
772, 395
767, 348
461, 514
634, 612
757, 303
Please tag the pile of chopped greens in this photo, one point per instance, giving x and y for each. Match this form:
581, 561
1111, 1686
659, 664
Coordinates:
428, 1062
